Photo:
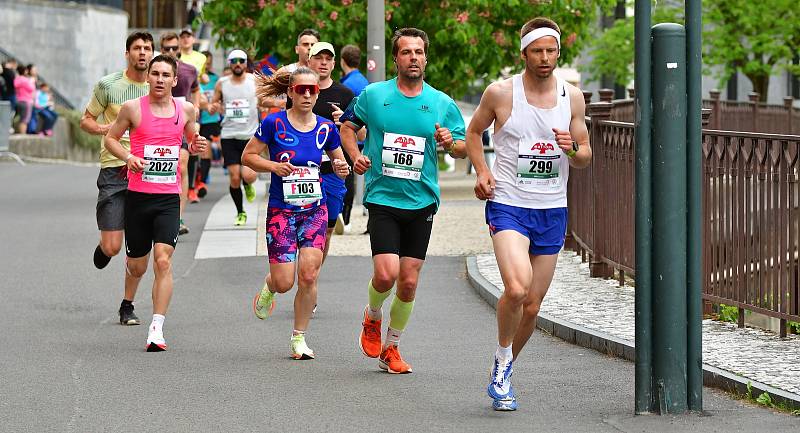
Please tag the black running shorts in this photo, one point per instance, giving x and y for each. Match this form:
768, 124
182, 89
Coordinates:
405, 232
149, 219
210, 130
232, 151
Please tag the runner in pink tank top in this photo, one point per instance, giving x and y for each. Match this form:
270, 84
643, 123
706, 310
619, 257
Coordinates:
152, 209
157, 140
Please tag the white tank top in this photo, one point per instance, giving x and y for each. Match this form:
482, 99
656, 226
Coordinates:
530, 170
240, 108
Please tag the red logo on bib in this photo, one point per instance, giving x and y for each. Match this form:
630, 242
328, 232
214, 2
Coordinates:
161, 151
405, 141
543, 147
301, 171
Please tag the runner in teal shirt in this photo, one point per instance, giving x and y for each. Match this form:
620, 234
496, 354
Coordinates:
401, 145
406, 121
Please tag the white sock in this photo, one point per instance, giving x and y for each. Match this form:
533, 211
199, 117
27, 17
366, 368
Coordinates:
504, 353
374, 314
157, 323
392, 337
295, 332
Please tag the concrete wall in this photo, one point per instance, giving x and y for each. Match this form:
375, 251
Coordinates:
72, 45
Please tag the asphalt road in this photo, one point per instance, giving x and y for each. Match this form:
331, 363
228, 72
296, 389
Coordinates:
67, 365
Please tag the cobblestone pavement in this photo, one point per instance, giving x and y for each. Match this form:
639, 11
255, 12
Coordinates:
602, 305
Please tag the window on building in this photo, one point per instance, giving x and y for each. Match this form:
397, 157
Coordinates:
166, 14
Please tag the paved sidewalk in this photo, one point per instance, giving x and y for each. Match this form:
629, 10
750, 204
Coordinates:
602, 307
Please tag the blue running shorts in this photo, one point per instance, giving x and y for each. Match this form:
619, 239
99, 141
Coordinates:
546, 228
335, 190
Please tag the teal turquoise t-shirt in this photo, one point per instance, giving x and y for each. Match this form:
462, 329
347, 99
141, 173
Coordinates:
208, 91
400, 144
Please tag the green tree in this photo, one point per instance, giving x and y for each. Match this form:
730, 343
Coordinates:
612, 51
756, 38
470, 39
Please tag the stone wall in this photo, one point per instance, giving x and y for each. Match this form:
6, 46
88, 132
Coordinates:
58, 146
72, 45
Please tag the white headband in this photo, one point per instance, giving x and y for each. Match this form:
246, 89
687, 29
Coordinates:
537, 34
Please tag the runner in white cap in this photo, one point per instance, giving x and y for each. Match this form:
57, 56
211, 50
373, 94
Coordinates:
235, 98
540, 131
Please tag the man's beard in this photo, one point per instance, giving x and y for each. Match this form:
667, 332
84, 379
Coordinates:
238, 72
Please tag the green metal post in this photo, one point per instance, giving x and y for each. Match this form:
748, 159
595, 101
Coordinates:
669, 217
694, 268
643, 301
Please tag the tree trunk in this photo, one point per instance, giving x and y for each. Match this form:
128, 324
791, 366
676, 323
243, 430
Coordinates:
760, 85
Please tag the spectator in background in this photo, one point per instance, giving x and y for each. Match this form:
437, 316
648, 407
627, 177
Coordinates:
9, 74
352, 77
188, 54
194, 11
43, 110
25, 90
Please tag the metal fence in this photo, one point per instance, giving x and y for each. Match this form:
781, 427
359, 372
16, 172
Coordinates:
750, 206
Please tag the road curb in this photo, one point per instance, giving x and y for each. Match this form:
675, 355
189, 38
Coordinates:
611, 345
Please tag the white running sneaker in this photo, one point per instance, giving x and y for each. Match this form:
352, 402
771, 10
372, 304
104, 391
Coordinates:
299, 348
155, 341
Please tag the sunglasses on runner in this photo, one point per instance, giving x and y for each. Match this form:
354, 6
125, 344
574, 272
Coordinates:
170, 48
238, 60
301, 89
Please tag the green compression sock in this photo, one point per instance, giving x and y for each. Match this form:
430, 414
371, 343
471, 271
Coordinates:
377, 298
401, 312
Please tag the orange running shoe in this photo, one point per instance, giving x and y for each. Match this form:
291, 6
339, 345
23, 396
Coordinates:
392, 362
192, 195
370, 339
201, 188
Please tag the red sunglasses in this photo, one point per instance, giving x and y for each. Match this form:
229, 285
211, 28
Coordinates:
301, 89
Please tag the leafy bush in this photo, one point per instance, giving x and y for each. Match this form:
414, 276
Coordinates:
79, 137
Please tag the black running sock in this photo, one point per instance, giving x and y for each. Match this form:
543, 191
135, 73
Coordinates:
126, 303
100, 258
236, 195
192, 170
205, 167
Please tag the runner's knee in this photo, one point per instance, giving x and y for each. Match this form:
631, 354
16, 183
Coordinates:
515, 293
282, 284
111, 247
162, 265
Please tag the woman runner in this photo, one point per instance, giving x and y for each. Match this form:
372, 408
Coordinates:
296, 212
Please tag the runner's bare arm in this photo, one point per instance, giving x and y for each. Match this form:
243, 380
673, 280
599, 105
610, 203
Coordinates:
340, 166
361, 163
214, 107
197, 143
90, 125
578, 130
111, 141
482, 118
251, 157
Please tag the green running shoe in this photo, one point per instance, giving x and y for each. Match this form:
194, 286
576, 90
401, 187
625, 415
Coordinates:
299, 348
249, 192
264, 303
241, 219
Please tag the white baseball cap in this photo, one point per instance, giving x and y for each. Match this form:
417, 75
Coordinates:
237, 54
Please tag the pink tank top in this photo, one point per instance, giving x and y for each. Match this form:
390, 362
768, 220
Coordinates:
158, 141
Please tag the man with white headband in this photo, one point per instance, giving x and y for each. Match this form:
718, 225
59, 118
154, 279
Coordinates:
539, 132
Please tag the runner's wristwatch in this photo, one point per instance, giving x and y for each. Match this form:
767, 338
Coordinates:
570, 153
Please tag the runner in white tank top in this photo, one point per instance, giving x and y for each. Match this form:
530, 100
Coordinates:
540, 131
235, 98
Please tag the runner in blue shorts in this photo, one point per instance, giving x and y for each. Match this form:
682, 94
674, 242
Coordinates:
296, 212
540, 131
